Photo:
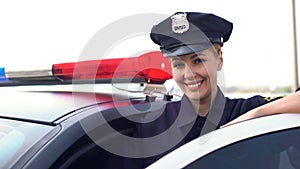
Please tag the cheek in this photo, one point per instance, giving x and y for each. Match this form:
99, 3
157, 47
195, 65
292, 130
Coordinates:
203, 70
208, 70
177, 75
212, 72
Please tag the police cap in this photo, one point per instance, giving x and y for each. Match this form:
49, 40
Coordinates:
188, 32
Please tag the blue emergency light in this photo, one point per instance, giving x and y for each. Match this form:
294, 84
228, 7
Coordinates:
2, 75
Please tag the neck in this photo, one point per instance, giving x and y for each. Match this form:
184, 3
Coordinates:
203, 106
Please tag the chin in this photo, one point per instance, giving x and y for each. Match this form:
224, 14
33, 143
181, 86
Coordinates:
198, 96
194, 97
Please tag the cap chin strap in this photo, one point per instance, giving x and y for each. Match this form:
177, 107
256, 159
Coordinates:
217, 41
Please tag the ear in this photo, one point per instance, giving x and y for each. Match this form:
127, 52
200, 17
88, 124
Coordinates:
220, 60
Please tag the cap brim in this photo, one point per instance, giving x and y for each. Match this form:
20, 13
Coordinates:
185, 49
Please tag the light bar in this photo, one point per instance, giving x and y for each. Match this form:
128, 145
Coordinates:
151, 67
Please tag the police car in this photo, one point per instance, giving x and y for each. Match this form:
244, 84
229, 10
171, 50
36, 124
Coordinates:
66, 116
75, 115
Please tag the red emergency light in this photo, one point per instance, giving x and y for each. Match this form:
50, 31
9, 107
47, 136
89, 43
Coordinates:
153, 67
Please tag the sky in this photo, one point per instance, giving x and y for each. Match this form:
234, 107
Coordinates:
34, 34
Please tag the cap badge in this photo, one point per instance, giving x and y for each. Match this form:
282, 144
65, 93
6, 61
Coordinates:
180, 23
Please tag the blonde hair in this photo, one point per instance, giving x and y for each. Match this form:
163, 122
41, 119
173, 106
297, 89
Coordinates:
218, 49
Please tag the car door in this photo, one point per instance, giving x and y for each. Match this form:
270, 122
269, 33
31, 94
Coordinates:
280, 150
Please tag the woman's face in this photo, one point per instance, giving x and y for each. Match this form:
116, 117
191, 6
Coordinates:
196, 73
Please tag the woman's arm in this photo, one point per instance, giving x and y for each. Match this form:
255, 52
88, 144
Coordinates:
288, 104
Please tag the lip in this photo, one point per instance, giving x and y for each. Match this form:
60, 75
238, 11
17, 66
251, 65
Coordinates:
194, 85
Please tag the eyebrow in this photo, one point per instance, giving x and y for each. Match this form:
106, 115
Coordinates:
175, 58
196, 55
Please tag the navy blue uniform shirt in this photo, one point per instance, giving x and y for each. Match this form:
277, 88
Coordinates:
177, 123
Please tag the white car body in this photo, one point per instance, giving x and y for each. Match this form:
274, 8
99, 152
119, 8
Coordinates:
210, 142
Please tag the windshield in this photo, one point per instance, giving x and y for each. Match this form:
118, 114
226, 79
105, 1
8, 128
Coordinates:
16, 138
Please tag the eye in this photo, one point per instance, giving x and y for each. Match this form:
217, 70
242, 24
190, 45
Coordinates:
198, 61
178, 65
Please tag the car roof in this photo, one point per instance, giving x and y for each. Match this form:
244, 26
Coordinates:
48, 106
225, 136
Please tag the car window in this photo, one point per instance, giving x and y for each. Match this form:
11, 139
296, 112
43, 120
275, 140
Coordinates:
280, 150
87, 151
84, 154
18, 138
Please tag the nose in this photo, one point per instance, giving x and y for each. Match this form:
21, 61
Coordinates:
189, 73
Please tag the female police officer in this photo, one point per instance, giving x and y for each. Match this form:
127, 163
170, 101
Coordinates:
193, 43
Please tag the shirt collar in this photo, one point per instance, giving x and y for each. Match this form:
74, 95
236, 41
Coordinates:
187, 114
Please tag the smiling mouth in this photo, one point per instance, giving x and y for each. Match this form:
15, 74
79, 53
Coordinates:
195, 85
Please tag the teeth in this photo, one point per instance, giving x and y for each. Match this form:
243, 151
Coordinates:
194, 85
